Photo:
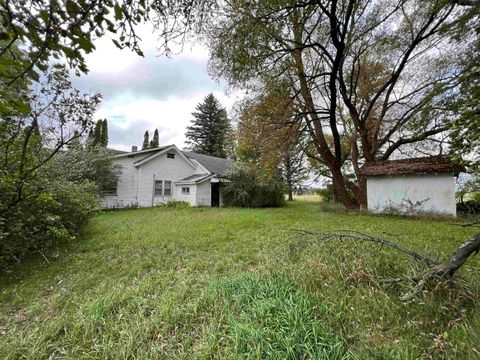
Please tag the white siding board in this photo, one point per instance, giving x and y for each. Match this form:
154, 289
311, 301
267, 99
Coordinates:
204, 193
191, 198
430, 193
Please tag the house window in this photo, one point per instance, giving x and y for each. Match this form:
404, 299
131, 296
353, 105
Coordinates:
170, 156
158, 187
186, 190
111, 189
167, 191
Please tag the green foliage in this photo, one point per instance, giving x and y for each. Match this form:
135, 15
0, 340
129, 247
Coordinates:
48, 180
155, 142
98, 136
210, 129
176, 204
55, 212
326, 193
247, 187
145, 144
470, 207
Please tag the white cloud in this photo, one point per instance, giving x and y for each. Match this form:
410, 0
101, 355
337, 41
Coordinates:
150, 92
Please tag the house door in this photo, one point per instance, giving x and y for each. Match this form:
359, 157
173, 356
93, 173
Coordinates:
216, 194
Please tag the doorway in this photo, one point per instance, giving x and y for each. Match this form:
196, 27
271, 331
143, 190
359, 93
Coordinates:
215, 194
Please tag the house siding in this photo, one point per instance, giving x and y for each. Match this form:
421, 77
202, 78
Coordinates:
161, 168
135, 185
126, 185
204, 193
191, 198
412, 193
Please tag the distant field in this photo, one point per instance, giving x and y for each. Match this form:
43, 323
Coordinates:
238, 284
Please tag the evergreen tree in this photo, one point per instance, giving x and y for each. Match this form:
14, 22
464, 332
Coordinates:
210, 128
155, 140
104, 134
98, 136
146, 143
97, 133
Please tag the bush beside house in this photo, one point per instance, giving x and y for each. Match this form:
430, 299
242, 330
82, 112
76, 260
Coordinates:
247, 187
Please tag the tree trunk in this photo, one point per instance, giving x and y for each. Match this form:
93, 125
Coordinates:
290, 194
362, 192
340, 189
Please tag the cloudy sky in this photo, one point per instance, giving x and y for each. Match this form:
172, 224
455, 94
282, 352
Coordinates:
151, 92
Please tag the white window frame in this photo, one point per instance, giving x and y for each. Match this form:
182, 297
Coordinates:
185, 190
165, 187
155, 188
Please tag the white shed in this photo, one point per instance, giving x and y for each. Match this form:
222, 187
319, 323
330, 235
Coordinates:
412, 186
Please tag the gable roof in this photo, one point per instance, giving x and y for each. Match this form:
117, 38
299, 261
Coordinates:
115, 152
162, 150
213, 164
195, 178
147, 151
421, 165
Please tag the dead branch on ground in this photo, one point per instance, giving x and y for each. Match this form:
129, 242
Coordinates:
445, 270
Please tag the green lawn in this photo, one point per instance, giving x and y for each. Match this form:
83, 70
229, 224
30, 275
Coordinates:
236, 283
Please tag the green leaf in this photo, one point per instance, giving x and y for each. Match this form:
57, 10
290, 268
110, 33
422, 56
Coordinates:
118, 12
86, 44
4, 36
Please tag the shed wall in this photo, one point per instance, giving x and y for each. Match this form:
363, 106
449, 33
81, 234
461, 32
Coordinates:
412, 193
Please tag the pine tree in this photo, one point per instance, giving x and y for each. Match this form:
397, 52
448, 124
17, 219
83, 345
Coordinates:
210, 128
104, 134
155, 140
146, 143
97, 134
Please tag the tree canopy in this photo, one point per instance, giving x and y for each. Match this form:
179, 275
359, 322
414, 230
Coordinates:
368, 80
210, 128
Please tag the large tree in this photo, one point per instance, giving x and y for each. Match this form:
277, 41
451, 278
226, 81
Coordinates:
271, 139
210, 128
369, 79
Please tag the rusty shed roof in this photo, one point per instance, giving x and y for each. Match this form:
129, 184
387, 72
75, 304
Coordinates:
421, 165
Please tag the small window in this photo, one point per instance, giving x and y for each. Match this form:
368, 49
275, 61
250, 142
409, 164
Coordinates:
158, 187
170, 156
111, 189
186, 190
167, 191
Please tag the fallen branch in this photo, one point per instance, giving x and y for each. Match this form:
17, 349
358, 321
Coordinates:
447, 270
437, 270
356, 235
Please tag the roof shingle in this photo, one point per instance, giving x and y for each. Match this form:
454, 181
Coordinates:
213, 164
421, 165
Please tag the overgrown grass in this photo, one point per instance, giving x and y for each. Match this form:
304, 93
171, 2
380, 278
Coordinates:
237, 283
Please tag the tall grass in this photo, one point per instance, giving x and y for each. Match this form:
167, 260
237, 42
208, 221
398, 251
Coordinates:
206, 283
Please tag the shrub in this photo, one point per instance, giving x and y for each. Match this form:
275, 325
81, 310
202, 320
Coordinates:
469, 207
54, 215
248, 188
325, 193
176, 204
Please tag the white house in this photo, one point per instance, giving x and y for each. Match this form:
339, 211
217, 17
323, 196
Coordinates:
156, 176
412, 186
